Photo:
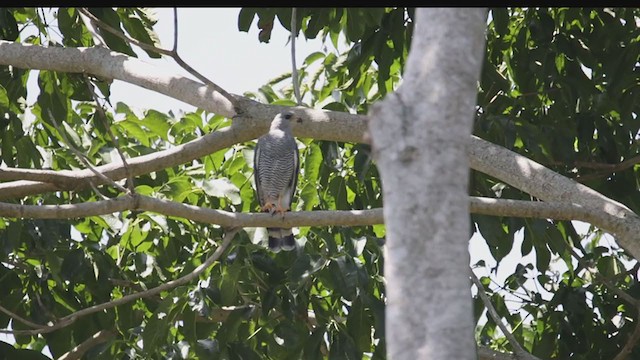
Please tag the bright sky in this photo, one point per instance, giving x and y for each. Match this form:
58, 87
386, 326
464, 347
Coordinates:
234, 60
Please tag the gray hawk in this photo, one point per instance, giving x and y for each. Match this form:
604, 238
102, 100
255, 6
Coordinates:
276, 166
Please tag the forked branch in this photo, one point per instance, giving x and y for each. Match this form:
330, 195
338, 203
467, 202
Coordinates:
71, 318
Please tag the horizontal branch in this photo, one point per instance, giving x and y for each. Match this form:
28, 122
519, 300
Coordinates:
542, 210
255, 119
319, 124
140, 165
108, 64
543, 183
478, 205
50, 176
494, 160
194, 213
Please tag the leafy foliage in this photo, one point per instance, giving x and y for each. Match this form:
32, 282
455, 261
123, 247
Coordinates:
559, 86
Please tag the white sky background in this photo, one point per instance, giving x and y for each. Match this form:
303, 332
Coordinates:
210, 42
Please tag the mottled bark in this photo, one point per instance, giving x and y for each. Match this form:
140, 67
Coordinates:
420, 136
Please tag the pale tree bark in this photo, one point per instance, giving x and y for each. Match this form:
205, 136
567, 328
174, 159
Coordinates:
494, 160
420, 136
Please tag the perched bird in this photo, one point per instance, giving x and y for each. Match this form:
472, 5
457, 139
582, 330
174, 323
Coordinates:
276, 166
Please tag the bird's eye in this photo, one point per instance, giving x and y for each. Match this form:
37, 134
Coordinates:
287, 116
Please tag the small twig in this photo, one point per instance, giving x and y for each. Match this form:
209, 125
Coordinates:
71, 318
171, 53
609, 167
20, 319
97, 39
517, 348
95, 190
601, 169
82, 157
599, 277
103, 115
79, 351
175, 30
122, 36
635, 336
294, 68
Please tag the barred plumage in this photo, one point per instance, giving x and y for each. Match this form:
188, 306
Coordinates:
276, 175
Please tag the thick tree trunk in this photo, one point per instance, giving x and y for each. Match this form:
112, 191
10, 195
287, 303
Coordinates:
420, 136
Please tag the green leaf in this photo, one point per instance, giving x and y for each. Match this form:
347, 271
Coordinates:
72, 265
359, 326
111, 18
4, 99
313, 57
312, 346
245, 18
354, 24
309, 197
157, 122
157, 328
145, 34
25, 354
8, 280
222, 187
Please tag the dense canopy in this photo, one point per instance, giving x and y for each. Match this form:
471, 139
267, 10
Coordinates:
559, 86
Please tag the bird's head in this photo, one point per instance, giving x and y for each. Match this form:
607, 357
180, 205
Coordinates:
284, 120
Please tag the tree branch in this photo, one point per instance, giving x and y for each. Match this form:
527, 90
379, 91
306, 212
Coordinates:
19, 318
108, 64
83, 158
543, 183
521, 353
294, 68
486, 157
116, 143
65, 178
606, 167
542, 210
194, 213
485, 353
71, 318
97, 39
171, 53
98, 338
139, 165
635, 336
318, 124
478, 205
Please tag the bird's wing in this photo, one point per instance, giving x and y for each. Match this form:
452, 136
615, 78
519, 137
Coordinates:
256, 170
293, 182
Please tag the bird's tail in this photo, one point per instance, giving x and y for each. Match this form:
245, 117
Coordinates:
281, 239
